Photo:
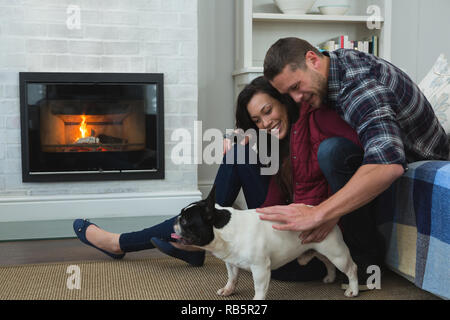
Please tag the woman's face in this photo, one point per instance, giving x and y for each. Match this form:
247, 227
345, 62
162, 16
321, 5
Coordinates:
268, 113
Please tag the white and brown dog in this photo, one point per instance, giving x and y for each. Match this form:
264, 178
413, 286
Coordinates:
242, 240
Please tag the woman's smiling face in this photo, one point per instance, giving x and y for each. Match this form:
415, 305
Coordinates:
268, 113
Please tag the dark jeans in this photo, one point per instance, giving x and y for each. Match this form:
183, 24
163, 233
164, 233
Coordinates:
339, 159
230, 178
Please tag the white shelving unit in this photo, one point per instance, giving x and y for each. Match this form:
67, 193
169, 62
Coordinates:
259, 24
282, 17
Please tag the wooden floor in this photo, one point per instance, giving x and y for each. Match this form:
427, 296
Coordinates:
61, 250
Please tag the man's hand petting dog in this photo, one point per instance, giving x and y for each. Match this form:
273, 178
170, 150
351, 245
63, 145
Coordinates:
298, 217
318, 234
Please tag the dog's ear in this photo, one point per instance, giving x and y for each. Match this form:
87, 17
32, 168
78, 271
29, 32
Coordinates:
211, 215
210, 205
211, 200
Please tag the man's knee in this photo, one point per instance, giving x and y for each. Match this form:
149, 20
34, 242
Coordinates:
326, 154
338, 154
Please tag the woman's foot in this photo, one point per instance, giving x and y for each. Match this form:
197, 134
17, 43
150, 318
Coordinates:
102, 240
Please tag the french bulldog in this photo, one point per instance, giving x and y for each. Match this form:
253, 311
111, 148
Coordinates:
242, 240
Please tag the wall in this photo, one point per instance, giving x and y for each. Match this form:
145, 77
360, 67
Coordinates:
419, 34
216, 63
113, 36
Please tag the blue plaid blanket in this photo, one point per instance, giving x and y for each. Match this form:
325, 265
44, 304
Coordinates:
414, 219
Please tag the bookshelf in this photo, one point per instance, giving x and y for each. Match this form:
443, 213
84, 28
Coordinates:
259, 24
281, 17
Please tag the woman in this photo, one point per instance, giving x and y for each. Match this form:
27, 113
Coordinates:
299, 179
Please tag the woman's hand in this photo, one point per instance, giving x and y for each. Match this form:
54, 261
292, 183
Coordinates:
228, 142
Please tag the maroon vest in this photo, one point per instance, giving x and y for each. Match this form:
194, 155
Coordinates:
312, 127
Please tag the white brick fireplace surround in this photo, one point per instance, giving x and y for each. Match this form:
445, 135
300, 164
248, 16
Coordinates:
134, 36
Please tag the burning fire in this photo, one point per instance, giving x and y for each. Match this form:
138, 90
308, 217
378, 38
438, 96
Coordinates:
86, 136
83, 127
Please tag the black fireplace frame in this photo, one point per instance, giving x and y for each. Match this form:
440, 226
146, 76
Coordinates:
91, 78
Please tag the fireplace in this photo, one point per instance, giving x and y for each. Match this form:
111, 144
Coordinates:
91, 126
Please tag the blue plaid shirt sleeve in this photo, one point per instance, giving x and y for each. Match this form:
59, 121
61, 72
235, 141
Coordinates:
369, 108
395, 122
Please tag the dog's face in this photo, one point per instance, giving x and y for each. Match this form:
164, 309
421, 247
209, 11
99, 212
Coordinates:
194, 225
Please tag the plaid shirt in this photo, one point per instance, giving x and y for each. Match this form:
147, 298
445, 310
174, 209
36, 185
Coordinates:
394, 121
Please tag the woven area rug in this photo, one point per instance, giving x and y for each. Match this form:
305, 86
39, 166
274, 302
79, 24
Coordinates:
169, 279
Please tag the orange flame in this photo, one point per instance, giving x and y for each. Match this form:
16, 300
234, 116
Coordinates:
83, 127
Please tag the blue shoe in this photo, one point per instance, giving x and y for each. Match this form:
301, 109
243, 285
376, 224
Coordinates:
80, 226
194, 258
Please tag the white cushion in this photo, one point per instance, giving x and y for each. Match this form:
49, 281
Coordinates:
436, 87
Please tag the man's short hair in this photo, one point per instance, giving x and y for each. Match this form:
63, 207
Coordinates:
287, 51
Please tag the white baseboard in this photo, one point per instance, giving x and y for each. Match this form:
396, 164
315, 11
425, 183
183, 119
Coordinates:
57, 229
44, 208
50, 217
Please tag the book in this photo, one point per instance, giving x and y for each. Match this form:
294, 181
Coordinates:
342, 42
360, 46
328, 45
375, 45
339, 42
368, 45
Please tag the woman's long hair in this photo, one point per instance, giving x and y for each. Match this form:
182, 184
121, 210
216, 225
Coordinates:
244, 122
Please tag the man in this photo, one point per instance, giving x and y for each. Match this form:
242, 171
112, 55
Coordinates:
395, 124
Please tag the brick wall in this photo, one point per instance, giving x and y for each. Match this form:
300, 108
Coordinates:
157, 36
